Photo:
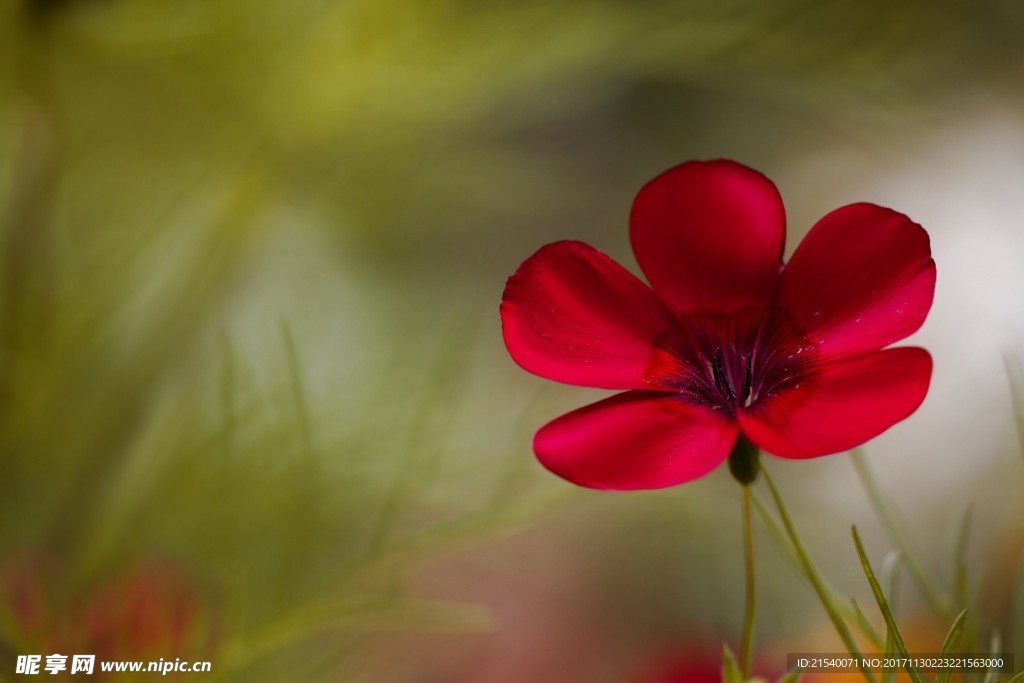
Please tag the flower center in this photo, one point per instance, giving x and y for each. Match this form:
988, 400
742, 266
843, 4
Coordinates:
724, 386
730, 363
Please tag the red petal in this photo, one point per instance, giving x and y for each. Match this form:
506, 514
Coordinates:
842, 405
635, 440
862, 279
709, 236
572, 314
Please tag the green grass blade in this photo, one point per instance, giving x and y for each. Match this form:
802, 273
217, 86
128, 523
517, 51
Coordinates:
883, 605
297, 389
793, 676
730, 669
889, 675
361, 615
228, 394
959, 588
900, 538
815, 578
1017, 623
409, 473
850, 611
891, 575
995, 645
951, 643
518, 468
865, 625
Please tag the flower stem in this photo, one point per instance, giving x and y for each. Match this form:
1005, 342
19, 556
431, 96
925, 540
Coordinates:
816, 580
851, 611
750, 610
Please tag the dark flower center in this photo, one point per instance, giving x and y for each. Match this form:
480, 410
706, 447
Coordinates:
731, 362
722, 383
723, 374
722, 380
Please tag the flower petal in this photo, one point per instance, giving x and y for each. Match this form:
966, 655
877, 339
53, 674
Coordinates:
862, 279
572, 314
635, 440
842, 405
709, 236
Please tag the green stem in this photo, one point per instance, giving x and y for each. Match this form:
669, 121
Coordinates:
899, 536
851, 611
750, 610
816, 580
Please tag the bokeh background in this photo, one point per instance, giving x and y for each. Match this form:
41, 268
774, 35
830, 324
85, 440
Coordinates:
254, 403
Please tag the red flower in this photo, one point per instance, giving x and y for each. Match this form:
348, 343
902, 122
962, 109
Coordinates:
152, 611
725, 341
694, 664
690, 667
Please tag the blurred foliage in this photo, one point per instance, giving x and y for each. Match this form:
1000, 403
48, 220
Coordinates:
240, 325
383, 113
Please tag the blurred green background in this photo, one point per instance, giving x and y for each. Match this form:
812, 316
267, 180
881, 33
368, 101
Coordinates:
254, 402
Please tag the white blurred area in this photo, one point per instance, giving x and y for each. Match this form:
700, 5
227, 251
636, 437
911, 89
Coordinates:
962, 179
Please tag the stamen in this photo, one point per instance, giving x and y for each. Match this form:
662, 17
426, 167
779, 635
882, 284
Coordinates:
716, 369
720, 377
749, 380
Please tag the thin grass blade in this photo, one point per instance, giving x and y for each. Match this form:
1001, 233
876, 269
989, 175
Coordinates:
1015, 377
898, 535
864, 624
891, 575
815, 578
730, 669
889, 674
793, 676
883, 605
850, 611
995, 645
959, 588
951, 643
